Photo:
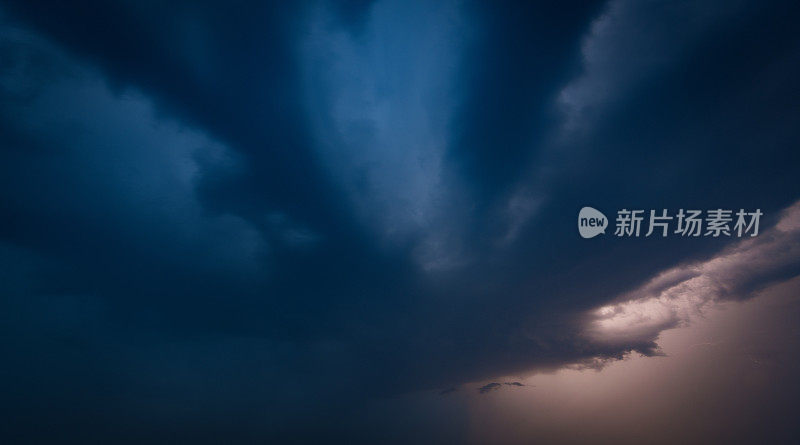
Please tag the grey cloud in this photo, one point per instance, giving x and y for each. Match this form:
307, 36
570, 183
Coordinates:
674, 296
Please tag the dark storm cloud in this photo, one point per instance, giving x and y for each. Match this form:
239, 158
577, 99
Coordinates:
528, 52
355, 199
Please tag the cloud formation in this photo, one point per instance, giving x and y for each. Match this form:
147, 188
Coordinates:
364, 199
674, 296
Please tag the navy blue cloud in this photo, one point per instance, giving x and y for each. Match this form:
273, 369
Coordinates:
216, 214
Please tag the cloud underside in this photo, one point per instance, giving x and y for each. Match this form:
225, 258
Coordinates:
214, 210
673, 297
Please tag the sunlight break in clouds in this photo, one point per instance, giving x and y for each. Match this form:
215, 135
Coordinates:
673, 297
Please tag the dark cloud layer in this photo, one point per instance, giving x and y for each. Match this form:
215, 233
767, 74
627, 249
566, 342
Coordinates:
242, 221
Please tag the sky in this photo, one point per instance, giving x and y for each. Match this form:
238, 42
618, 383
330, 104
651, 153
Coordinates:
355, 222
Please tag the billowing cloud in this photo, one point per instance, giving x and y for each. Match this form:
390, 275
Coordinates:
260, 221
673, 297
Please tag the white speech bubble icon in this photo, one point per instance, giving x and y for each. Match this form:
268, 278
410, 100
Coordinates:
591, 222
